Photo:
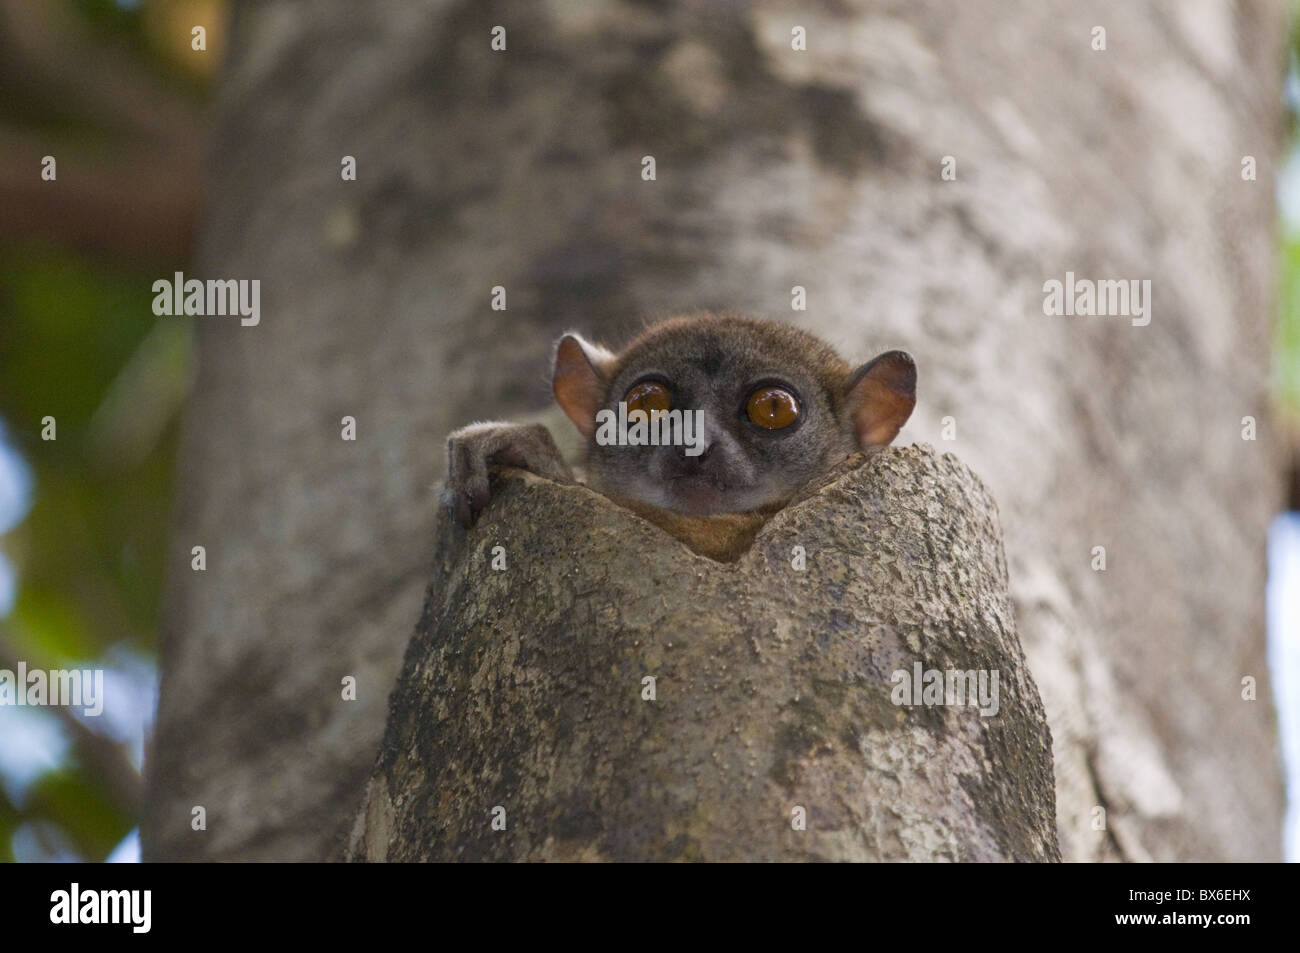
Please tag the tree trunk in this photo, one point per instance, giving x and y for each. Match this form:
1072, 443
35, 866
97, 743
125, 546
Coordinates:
775, 168
592, 690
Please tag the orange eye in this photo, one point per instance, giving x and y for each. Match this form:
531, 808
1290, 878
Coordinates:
772, 408
650, 396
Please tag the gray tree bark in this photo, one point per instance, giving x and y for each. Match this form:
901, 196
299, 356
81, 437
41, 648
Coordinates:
774, 726
775, 168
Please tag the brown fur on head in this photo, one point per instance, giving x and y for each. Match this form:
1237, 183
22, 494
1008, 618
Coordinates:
737, 371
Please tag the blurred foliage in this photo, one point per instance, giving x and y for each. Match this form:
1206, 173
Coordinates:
155, 34
1287, 359
81, 345
1287, 342
158, 33
78, 335
79, 342
72, 801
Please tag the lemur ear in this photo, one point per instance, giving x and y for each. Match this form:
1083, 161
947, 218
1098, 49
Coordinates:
881, 395
580, 380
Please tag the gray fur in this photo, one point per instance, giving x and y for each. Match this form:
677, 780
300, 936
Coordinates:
711, 363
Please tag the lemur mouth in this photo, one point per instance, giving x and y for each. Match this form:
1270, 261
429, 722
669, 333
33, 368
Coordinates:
700, 494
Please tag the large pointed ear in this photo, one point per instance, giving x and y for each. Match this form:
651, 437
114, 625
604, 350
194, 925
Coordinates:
580, 380
881, 395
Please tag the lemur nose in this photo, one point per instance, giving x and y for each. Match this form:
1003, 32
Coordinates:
700, 457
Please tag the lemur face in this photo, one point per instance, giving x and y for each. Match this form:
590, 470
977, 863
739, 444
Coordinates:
735, 414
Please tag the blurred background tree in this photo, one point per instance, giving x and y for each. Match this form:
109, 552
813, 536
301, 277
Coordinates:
112, 90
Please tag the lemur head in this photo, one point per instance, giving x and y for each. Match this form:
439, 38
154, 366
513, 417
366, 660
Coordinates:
777, 407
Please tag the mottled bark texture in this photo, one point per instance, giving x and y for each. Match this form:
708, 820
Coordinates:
775, 168
525, 689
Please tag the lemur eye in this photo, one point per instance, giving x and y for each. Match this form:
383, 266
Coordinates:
772, 408
649, 396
